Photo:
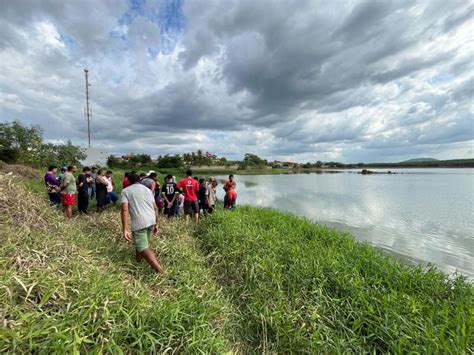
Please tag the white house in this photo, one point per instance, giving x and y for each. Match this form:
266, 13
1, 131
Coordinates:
95, 157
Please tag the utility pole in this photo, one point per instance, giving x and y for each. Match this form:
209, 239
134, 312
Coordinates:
88, 110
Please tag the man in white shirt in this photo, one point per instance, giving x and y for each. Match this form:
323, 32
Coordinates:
138, 200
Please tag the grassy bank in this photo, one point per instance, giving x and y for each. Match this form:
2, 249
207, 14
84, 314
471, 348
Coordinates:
301, 287
247, 281
72, 286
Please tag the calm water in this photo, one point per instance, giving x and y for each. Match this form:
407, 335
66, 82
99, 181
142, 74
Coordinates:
426, 215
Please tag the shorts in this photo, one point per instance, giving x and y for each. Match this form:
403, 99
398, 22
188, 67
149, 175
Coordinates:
141, 238
68, 199
191, 206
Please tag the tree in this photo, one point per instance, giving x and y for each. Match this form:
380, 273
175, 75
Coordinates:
112, 161
253, 160
19, 143
169, 161
59, 154
140, 159
24, 145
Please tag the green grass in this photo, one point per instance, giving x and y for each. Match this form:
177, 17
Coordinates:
73, 286
247, 281
300, 287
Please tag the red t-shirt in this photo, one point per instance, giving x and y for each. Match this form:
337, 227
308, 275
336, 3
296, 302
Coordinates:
190, 187
231, 194
229, 184
125, 182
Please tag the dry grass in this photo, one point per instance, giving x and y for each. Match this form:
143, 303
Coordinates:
73, 286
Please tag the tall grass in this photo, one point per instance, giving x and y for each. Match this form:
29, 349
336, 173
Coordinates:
247, 281
304, 288
72, 286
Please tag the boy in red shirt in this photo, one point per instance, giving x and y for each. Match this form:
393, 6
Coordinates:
227, 186
190, 188
231, 197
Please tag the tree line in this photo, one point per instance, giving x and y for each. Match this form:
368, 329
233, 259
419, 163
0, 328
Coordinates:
20, 144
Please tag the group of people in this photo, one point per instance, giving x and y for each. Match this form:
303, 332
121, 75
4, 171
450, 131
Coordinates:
92, 182
142, 198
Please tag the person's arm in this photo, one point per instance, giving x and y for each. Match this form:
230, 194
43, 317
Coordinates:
124, 216
65, 183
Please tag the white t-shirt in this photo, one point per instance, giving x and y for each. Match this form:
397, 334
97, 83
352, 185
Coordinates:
141, 205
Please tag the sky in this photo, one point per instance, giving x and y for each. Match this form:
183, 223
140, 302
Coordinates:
307, 80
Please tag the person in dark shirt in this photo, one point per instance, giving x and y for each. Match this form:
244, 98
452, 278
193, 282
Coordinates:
170, 193
84, 182
202, 195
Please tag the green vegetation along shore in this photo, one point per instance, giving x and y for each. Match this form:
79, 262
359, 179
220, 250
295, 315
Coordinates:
246, 281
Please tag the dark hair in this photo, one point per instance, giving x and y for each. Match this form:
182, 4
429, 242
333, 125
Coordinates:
152, 175
127, 174
109, 172
169, 176
86, 168
133, 172
196, 178
133, 178
52, 167
70, 167
201, 181
63, 169
189, 173
141, 174
94, 168
231, 176
100, 171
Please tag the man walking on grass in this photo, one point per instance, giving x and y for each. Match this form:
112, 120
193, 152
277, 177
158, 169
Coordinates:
138, 200
68, 190
190, 188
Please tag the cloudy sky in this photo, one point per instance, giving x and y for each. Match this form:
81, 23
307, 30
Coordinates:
297, 80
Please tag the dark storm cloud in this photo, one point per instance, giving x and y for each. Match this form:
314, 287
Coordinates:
336, 79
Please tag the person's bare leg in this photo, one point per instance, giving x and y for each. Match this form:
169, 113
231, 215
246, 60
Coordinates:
186, 218
196, 218
138, 256
150, 258
69, 211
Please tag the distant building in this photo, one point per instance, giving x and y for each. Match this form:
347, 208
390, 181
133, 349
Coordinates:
95, 157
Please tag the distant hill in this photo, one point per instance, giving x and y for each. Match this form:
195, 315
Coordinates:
419, 160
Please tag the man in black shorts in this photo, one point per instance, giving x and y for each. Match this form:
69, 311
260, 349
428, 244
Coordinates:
190, 188
170, 193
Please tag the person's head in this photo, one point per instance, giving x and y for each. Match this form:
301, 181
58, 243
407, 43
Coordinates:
189, 173
202, 181
141, 176
101, 172
127, 174
133, 178
86, 170
168, 179
71, 169
63, 169
93, 169
108, 173
231, 177
196, 178
152, 176
52, 169
133, 172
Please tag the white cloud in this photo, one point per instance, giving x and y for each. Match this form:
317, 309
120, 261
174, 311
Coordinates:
369, 81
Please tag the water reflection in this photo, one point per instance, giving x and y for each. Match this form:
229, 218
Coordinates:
425, 215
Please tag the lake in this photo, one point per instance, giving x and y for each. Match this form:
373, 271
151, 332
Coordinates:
424, 215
